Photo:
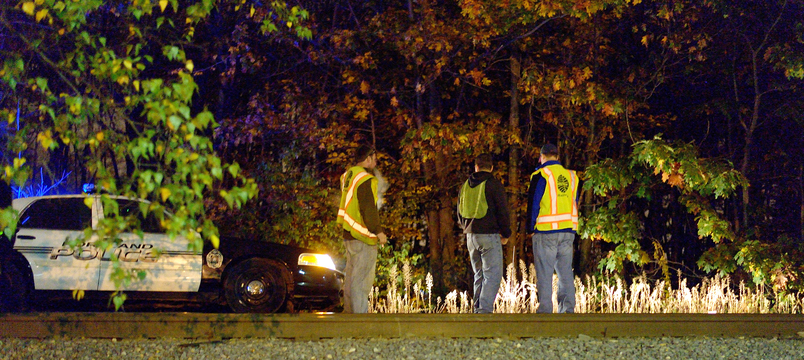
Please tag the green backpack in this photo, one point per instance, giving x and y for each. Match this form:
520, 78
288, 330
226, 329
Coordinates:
472, 201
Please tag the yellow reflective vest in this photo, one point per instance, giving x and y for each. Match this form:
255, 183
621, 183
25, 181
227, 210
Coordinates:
558, 208
349, 210
472, 202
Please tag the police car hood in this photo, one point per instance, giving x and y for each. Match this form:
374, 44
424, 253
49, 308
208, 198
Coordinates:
478, 178
239, 247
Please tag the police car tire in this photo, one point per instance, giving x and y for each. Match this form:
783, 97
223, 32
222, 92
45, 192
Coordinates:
269, 289
14, 290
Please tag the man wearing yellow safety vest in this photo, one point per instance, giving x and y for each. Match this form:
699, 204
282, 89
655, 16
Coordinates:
483, 215
359, 217
553, 220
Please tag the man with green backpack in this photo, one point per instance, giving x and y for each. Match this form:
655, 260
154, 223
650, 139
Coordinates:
483, 215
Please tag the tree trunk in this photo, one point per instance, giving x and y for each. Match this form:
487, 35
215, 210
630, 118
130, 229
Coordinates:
749, 136
449, 243
445, 202
446, 208
744, 170
440, 224
440, 216
757, 54
513, 250
585, 265
434, 244
433, 217
731, 146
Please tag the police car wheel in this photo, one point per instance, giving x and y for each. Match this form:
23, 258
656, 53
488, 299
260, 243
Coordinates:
255, 286
14, 290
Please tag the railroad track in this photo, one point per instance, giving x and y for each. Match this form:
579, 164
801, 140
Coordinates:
312, 326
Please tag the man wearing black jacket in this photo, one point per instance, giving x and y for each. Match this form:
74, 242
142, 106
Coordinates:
483, 215
359, 217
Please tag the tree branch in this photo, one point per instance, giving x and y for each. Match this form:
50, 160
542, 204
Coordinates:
42, 56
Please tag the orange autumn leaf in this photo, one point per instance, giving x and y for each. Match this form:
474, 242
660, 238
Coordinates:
676, 180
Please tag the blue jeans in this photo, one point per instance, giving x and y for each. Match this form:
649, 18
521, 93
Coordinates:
553, 252
485, 252
361, 263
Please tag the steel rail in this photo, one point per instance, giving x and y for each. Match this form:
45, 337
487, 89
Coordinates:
312, 326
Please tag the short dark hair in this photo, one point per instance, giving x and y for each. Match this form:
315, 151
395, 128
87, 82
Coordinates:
362, 152
549, 150
483, 161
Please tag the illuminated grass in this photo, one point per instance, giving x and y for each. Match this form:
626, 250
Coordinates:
518, 295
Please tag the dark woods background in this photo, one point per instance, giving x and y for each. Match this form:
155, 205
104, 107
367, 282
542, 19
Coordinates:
654, 102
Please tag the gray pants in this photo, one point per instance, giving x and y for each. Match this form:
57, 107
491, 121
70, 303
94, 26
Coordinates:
553, 252
485, 252
361, 262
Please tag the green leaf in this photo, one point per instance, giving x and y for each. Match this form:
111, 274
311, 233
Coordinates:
118, 300
234, 169
217, 172
174, 121
172, 53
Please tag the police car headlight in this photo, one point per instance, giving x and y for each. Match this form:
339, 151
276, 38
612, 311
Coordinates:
321, 260
214, 259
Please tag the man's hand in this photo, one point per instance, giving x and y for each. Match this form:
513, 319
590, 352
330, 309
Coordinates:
504, 241
382, 238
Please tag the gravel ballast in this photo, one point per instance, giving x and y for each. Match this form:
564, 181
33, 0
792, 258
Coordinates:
581, 347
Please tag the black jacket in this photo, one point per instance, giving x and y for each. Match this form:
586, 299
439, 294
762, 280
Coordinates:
497, 219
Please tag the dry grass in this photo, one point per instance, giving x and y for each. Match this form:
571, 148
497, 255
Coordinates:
613, 295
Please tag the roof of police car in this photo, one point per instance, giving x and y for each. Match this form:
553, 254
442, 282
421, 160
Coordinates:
23, 202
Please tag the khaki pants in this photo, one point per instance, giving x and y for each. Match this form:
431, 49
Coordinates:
361, 262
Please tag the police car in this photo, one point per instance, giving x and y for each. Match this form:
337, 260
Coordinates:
246, 276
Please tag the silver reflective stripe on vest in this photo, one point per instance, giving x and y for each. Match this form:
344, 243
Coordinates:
350, 195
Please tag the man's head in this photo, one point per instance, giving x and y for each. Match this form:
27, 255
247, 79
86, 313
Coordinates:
483, 162
548, 152
365, 156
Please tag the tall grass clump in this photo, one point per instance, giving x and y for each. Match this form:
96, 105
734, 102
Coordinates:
610, 294
416, 298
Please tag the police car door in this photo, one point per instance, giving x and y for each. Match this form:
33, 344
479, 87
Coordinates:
47, 228
168, 265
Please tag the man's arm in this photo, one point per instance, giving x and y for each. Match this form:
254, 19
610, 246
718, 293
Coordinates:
368, 209
502, 213
537, 186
